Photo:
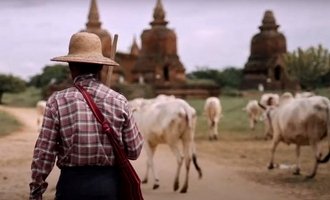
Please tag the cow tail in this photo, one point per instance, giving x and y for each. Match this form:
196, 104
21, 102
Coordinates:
327, 157
194, 159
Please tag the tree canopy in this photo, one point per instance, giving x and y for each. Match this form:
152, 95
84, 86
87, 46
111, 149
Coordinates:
52, 78
10, 84
54, 74
309, 66
230, 77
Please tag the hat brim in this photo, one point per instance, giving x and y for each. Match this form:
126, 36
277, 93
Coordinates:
86, 59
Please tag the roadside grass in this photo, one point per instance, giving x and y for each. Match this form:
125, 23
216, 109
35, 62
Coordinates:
28, 98
8, 124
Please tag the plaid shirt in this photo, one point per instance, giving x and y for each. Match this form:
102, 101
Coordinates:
71, 133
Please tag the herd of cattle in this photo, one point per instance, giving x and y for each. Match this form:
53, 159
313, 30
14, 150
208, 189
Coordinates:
303, 119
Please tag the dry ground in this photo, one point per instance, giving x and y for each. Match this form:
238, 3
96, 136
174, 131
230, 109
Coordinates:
249, 157
233, 169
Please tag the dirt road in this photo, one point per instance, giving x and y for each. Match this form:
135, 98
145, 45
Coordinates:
218, 182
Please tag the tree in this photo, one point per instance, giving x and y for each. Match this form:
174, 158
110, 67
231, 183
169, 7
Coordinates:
55, 74
52, 78
203, 73
229, 77
308, 66
10, 84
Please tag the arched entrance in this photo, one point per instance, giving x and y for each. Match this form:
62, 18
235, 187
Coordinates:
277, 73
166, 73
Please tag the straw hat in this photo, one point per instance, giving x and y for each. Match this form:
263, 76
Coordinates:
85, 47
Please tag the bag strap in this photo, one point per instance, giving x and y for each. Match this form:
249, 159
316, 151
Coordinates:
96, 111
118, 151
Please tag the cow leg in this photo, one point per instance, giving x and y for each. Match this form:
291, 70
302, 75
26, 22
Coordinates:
315, 148
215, 131
145, 179
148, 163
187, 158
252, 123
179, 160
297, 168
211, 130
150, 150
272, 151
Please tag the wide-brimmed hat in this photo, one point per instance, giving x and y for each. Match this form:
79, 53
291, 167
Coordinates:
85, 47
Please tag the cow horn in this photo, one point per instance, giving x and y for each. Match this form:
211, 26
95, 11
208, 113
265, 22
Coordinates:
262, 106
325, 159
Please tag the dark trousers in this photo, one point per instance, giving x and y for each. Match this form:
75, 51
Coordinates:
88, 183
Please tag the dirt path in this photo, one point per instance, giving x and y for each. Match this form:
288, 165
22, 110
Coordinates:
218, 182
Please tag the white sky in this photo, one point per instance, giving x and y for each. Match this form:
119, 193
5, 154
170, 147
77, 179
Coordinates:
213, 33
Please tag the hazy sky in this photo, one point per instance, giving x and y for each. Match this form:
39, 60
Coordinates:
213, 33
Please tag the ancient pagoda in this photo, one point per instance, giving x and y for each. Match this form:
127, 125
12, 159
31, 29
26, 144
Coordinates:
127, 62
93, 25
265, 65
158, 61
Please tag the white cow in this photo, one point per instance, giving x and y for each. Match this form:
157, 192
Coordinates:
285, 98
269, 99
254, 112
40, 107
213, 112
304, 94
168, 122
140, 102
303, 121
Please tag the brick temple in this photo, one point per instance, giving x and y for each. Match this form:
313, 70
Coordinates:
156, 63
265, 65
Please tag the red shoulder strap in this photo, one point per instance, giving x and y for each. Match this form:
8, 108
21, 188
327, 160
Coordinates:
132, 189
118, 151
99, 116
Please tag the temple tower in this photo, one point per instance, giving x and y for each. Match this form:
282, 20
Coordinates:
93, 25
127, 62
265, 64
158, 62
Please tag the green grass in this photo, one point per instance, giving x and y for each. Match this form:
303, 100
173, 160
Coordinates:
8, 124
28, 98
234, 122
323, 92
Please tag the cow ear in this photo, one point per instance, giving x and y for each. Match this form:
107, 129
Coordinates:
262, 106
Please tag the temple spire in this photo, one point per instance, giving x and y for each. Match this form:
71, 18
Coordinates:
135, 48
159, 15
268, 22
93, 17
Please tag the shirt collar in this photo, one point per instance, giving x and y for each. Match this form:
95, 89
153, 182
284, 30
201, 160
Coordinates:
84, 77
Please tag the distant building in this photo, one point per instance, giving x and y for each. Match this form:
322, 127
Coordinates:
265, 65
93, 25
156, 63
127, 62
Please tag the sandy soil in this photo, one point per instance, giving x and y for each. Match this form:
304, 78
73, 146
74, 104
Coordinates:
218, 182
